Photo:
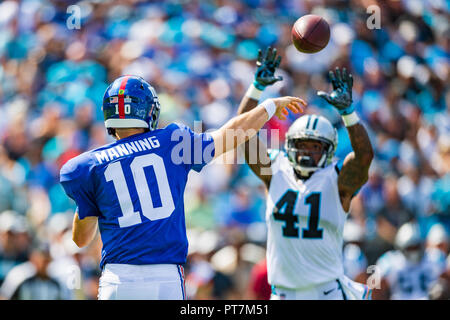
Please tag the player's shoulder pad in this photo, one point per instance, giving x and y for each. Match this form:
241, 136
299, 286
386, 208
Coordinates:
76, 167
179, 130
178, 126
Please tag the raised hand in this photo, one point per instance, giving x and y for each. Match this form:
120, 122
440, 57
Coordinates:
296, 105
267, 63
341, 96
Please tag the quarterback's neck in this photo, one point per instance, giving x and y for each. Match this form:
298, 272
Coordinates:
122, 133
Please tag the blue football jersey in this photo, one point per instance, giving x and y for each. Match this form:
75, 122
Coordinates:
135, 186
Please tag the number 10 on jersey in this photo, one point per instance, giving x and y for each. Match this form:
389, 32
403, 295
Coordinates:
114, 173
287, 203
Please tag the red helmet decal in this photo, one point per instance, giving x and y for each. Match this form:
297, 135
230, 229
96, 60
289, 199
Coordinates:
123, 84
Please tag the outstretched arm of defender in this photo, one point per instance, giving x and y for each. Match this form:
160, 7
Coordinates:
255, 150
355, 170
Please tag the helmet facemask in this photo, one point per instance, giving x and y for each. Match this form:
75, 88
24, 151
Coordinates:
310, 128
303, 161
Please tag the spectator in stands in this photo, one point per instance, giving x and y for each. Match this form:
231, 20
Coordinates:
30, 280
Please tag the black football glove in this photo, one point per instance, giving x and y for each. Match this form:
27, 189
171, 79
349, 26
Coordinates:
267, 64
341, 96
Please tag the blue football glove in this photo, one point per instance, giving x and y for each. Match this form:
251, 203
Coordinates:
341, 96
267, 64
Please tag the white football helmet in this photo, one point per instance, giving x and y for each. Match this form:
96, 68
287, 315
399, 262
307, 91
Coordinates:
408, 240
310, 127
437, 235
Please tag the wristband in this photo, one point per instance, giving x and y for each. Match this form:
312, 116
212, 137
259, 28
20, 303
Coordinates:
253, 92
270, 107
258, 85
350, 119
347, 110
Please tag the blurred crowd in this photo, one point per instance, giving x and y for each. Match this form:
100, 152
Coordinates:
200, 57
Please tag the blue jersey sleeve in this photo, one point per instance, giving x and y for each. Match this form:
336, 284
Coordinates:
195, 149
74, 177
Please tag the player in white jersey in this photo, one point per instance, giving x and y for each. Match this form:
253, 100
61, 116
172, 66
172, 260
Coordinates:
309, 194
409, 272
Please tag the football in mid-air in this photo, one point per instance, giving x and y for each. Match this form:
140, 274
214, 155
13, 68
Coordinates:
310, 33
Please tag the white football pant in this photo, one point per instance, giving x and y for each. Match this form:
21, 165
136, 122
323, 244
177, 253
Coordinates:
142, 282
340, 289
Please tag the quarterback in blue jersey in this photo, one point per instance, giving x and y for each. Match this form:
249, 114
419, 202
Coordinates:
132, 189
